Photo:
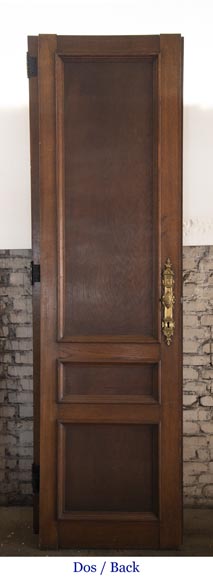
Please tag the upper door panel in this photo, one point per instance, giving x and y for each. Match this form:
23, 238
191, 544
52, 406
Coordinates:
107, 127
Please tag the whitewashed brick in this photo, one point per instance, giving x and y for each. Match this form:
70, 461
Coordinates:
11, 463
196, 360
190, 290
207, 319
195, 305
3, 423
26, 488
203, 454
198, 278
207, 373
190, 415
189, 400
207, 292
189, 479
7, 411
22, 303
211, 446
17, 279
207, 427
26, 438
21, 317
190, 346
204, 414
205, 478
189, 453
208, 490
27, 384
195, 468
20, 397
3, 395
190, 262
19, 345
4, 331
189, 373
6, 358
24, 358
25, 476
8, 440
195, 387
206, 348
25, 464
191, 428
2, 463
25, 411
16, 386
207, 401
24, 331
195, 333
191, 321
21, 451
193, 491
19, 371
195, 441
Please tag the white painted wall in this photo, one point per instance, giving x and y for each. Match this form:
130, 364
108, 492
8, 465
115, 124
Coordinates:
191, 18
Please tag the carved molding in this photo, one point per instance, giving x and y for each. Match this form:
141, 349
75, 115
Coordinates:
198, 232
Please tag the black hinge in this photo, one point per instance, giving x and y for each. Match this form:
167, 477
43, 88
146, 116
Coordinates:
35, 273
35, 477
32, 68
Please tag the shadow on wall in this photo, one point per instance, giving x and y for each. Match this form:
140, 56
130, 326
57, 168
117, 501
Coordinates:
15, 206
197, 163
15, 219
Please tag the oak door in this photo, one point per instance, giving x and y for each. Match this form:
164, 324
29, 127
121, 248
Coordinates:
106, 150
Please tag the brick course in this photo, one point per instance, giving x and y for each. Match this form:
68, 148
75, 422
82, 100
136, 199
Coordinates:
16, 372
16, 411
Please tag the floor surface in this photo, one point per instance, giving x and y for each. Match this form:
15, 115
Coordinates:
17, 537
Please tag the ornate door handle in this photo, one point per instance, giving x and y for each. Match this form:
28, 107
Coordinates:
168, 300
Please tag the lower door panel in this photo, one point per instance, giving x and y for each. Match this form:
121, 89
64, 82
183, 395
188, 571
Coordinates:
108, 484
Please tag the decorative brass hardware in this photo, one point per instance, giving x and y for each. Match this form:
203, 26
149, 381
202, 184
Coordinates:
168, 300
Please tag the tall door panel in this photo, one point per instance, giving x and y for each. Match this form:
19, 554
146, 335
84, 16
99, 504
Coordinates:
110, 146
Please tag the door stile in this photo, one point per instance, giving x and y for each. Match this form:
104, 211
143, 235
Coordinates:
171, 245
48, 527
35, 215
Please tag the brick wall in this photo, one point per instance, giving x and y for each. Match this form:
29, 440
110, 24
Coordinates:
198, 375
16, 412
16, 377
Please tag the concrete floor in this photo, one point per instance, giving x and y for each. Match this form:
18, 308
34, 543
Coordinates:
17, 538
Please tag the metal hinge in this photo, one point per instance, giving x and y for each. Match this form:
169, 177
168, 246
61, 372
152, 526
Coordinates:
35, 477
32, 68
36, 277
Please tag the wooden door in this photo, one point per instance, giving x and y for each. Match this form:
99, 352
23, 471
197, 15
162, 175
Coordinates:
109, 144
